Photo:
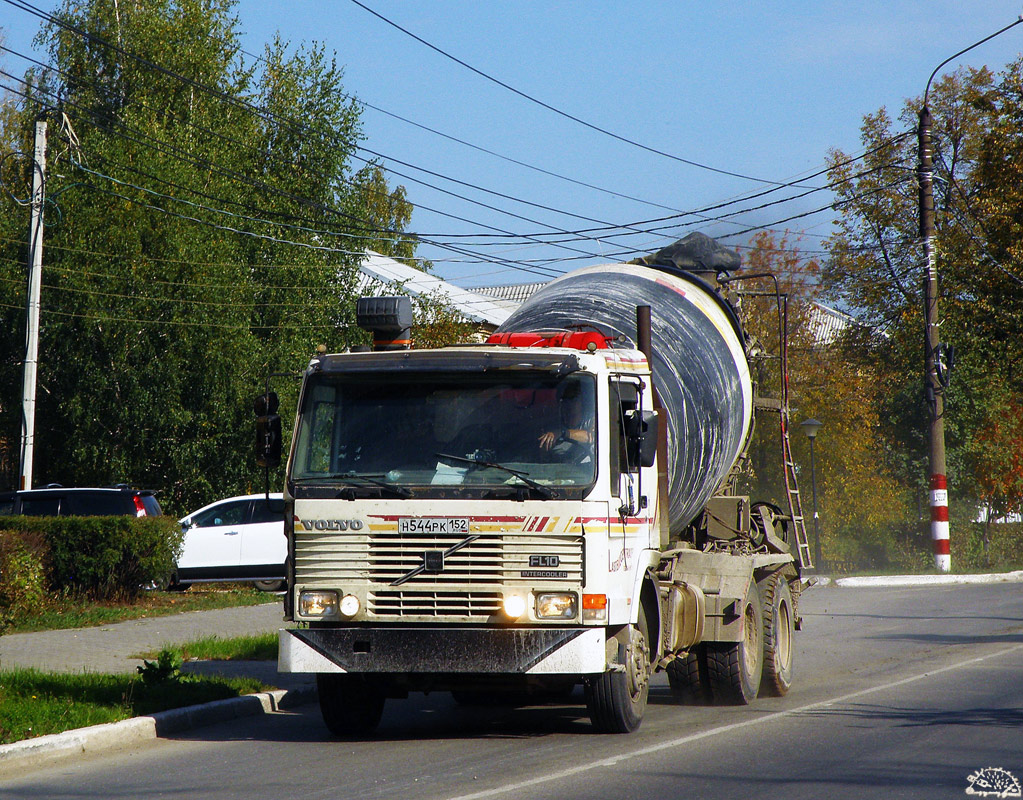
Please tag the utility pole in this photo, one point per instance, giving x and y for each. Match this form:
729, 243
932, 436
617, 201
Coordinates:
936, 369
933, 388
35, 280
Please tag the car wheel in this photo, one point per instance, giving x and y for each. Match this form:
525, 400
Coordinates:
269, 586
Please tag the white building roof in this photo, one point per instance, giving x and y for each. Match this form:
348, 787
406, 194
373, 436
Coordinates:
827, 323
387, 272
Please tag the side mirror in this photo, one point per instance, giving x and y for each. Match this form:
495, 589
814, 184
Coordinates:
642, 431
268, 430
648, 442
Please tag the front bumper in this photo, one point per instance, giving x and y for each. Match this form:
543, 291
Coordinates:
478, 651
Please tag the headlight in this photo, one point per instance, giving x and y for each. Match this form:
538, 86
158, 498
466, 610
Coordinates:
350, 605
556, 605
318, 604
514, 606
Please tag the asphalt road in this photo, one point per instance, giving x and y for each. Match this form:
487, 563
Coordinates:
899, 693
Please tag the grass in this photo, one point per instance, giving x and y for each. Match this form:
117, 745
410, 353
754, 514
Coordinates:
35, 703
259, 647
73, 612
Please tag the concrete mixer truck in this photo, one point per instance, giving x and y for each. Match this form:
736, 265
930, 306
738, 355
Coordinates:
553, 508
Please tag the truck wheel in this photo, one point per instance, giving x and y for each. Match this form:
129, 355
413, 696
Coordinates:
779, 630
734, 669
349, 704
616, 700
688, 678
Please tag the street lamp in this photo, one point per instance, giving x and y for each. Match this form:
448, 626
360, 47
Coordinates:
810, 428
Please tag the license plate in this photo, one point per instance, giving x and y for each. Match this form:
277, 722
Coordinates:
433, 525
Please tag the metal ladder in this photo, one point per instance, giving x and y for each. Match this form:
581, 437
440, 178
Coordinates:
792, 490
780, 405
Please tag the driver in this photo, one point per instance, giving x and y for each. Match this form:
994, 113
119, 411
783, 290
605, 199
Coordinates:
576, 425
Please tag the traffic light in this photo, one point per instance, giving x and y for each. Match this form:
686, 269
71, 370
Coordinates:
268, 430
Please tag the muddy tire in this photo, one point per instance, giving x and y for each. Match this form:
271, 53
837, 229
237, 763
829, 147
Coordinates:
350, 705
779, 632
734, 669
616, 701
688, 679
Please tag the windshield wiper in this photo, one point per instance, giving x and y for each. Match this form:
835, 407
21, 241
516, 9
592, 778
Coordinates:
550, 494
355, 480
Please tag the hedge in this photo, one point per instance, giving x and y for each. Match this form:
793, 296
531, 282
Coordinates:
105, 558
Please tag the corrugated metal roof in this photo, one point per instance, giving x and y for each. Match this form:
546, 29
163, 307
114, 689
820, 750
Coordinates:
386, 272
827, 323
516, 293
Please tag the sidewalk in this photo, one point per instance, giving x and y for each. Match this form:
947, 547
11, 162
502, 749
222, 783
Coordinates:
116, 648
922, 580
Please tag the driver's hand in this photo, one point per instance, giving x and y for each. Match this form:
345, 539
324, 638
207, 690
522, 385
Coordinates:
548, 439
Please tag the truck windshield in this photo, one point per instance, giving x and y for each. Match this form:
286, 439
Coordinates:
530, 433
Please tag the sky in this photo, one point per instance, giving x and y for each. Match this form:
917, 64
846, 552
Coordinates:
736, 97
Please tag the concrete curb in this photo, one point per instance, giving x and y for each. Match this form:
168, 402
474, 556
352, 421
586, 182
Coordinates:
34, 753
922, 580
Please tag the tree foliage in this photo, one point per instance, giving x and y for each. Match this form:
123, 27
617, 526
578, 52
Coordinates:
205, 219
876, 269
862, 509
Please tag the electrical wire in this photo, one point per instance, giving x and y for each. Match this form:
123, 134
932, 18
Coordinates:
558, 111
222, 96
410, 178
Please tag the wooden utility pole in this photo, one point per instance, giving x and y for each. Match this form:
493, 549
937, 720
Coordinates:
936, 370
933, 385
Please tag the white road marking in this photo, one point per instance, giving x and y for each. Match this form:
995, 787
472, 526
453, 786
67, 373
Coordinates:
735, 726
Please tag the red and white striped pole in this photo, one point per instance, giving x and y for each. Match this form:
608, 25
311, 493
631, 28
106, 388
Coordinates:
939, 523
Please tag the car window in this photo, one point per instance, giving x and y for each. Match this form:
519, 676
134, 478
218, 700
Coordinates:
235, 512
97, 504
40, 506
262, 513
151, 505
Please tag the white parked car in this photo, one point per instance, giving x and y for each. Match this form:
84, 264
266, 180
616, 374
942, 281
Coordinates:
238, 539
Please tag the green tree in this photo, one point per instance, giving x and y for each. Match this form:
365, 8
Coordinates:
204, 226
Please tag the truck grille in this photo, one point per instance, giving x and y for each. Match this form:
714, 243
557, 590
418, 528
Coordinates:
494, 560
434, 604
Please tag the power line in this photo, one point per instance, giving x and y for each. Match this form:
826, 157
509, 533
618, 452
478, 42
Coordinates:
581, 234
427, 240
558, 111
452, 248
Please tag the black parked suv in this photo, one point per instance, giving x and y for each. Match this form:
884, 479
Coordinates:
59, 501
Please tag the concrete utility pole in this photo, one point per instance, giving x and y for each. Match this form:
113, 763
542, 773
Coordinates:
933, 387
35, 280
